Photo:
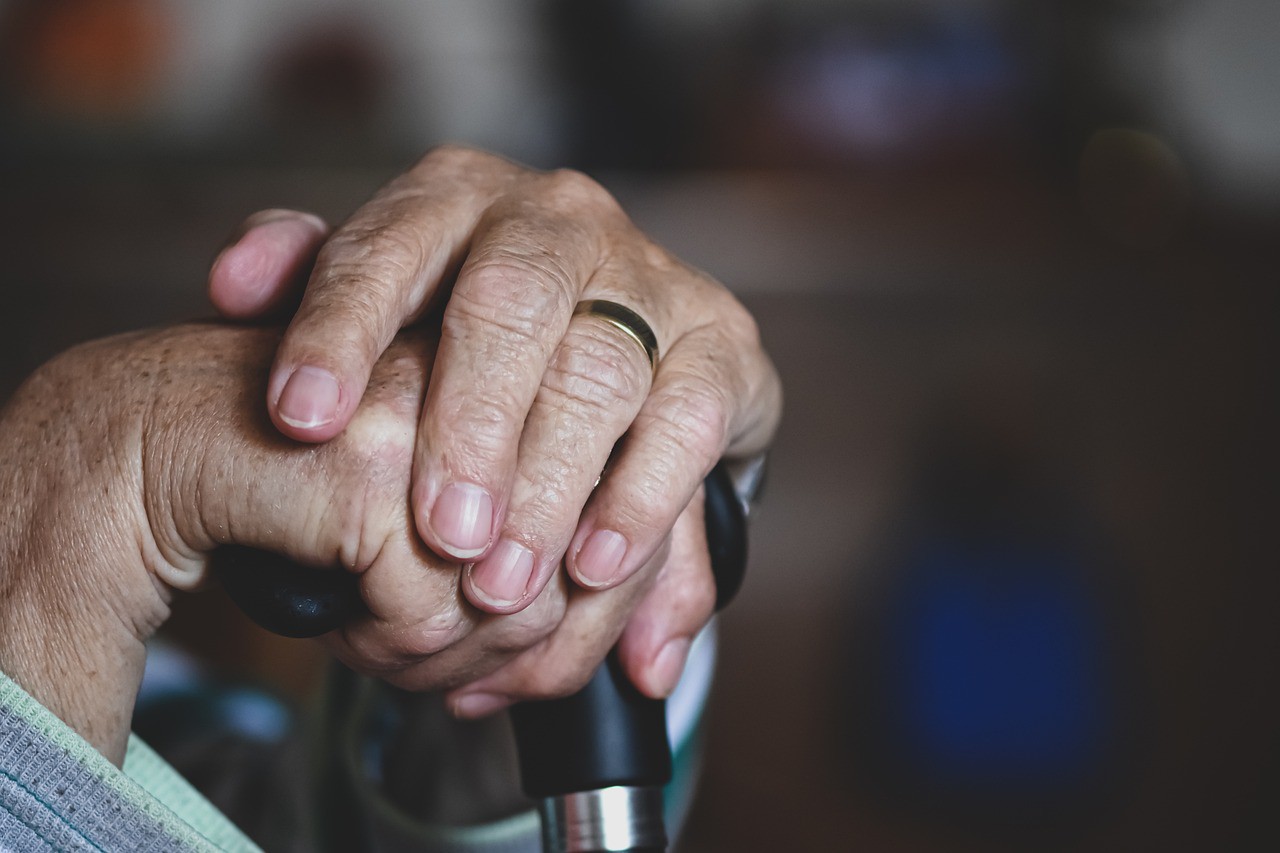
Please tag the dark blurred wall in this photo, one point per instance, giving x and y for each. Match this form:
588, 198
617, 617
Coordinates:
1024, 250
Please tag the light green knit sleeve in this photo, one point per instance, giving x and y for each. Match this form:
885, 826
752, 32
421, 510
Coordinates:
58, 793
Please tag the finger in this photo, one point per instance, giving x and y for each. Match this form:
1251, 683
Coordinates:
233, 483
433, 655
341, 506
566, 659
507, 313
373, 276
707, 390
415, 611
263, 268
590, 393
422, 634
655, 643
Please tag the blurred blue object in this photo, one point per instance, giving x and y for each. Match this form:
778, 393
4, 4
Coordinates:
992, 679
890, 87
180, 703
998, 646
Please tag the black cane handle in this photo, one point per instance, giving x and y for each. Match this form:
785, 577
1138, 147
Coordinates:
609, 734
606, 735
286, 598
299, 601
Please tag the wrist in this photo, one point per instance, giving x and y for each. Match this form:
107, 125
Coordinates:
77, 605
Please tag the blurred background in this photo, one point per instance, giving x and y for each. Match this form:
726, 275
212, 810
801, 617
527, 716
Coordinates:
1012, 585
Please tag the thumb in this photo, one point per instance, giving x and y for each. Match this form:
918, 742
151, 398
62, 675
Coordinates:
262, 270
221, 474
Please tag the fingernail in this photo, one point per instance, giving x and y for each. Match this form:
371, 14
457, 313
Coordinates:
503, 577
473, 705
309, 398
600, 557
462, 518
668, 666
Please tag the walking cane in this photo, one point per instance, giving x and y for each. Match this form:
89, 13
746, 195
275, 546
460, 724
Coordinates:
595, 762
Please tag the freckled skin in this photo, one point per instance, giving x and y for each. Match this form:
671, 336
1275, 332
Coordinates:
529, 399
129, 459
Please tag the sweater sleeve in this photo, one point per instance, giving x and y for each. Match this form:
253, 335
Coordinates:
57, 793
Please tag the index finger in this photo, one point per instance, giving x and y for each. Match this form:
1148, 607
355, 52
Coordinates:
375, 274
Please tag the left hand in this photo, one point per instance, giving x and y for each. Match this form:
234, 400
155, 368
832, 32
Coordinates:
527, 400
129, 460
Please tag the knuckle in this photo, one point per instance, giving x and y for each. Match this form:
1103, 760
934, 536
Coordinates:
598, 371
692, 415
685, 426
364, 653
429, 637
700, 596
382, 649
571, 181
386, 246
352, 314
447, 152
738, 323
489, 430
524, 630
645, 509
658, 259
373, 459
567, 675
577, 189
377, 447
484, 425
642, 512
548, 499
452, 154
513, 295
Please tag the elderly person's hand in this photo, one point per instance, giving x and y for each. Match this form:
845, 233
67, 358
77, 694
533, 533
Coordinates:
528, 399
128, 460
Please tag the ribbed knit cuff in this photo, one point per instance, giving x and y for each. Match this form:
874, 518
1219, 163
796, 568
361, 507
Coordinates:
58, 793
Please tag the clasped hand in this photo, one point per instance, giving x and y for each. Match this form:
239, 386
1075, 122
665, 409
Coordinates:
455, 470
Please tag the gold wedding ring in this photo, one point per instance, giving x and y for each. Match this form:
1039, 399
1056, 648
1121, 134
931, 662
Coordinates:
625, 320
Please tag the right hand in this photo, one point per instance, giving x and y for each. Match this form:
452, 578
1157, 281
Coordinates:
130, 459
529, 402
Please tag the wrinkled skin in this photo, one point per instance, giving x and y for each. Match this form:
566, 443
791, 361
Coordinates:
527, 400
128, 460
